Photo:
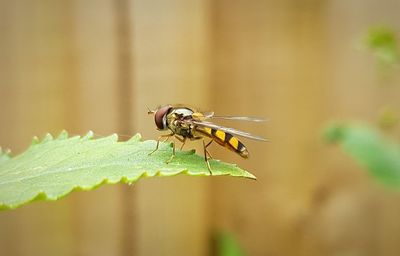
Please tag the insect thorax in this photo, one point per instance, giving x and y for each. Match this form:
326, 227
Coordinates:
178, 121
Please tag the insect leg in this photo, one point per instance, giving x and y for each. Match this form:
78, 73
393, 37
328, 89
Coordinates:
205, 156
181, 140
173, 154
158, 141
166, 139
208, 153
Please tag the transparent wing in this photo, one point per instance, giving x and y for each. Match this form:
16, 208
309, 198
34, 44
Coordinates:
240, 118
229, 130
210, 115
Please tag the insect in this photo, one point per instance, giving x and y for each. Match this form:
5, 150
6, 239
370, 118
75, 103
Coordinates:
186, 123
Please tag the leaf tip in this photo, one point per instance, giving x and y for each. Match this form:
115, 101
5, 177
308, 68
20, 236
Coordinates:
88, 136
135, 138
250, 176
113, 137
63, 135
35, 140
5, 152
47, 137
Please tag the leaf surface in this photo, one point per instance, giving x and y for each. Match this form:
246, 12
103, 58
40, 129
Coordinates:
380, 156
52, 168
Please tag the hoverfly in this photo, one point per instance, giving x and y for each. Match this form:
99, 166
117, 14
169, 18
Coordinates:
186, 123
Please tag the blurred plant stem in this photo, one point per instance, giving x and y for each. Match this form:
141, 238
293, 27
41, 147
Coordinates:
227, 245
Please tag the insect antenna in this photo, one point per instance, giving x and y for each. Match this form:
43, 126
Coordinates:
149, 111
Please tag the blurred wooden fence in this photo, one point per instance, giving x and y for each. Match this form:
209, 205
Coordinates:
96, 65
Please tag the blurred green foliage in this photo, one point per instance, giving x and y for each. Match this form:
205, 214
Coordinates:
388, 118
380, 156
381, 40
227, 245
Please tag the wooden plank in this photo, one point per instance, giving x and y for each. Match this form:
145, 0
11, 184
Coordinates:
296, 63
268, 63
36, 71
60, 70
369, 221
98, 217
171, 66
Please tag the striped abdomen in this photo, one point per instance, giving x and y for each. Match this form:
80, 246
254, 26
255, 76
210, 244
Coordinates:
225, 139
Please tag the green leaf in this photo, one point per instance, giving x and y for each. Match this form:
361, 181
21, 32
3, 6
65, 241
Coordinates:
4, 156
381, 40
227, 245
52, 168
378, 155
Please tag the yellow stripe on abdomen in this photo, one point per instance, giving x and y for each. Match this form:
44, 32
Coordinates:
220, 135
236, 145
226, 140
234, 142
207, 130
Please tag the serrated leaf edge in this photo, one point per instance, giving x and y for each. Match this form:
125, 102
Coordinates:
124, 179
5, 152
114, 137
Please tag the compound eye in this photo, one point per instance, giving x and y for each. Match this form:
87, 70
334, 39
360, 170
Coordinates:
160, 117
